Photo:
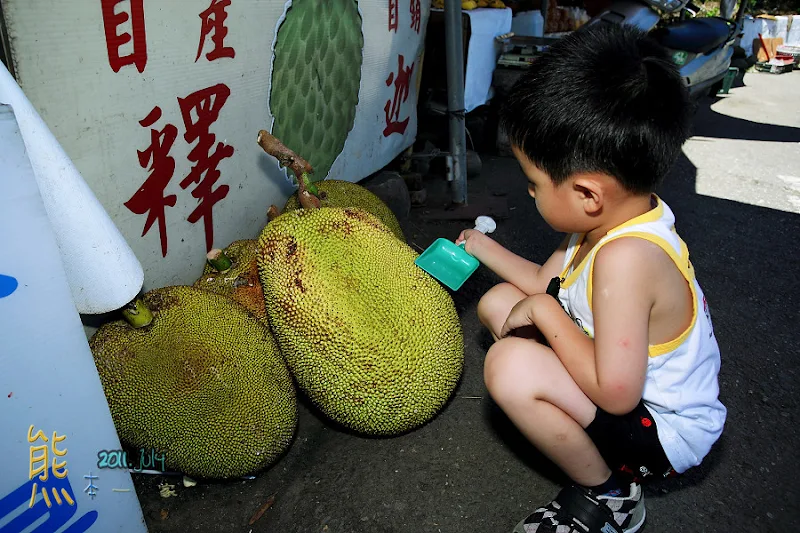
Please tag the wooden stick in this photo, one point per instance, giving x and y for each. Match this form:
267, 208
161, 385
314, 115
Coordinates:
261, 510
764, 46
285, 156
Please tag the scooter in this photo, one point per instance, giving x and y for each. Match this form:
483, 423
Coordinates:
702, 47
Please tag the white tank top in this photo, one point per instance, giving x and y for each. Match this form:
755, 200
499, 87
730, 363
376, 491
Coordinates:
681, 388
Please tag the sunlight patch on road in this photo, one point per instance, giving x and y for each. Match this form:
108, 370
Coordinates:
792, 189
752, 172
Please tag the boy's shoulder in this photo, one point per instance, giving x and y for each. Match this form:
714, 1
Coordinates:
628, 246
631, 257
638, 273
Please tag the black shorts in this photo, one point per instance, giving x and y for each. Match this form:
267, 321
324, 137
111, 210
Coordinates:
629, 444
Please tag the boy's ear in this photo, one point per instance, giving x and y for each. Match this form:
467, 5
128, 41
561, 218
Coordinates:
591, 192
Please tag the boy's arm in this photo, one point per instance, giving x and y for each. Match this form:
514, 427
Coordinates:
610, 369
527, 276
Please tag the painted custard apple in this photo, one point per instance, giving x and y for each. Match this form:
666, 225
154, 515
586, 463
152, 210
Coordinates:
315, 79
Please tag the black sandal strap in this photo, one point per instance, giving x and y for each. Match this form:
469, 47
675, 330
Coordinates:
580, 504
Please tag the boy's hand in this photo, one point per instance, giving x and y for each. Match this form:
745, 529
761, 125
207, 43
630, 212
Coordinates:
524, 313
474, 241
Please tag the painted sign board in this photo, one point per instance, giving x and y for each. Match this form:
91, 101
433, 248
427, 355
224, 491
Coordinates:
53, 413
158, 104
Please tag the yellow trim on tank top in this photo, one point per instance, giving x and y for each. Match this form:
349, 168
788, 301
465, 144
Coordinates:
651, 216
681, 262
575, 251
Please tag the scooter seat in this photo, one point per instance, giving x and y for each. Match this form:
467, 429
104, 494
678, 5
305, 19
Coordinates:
698, 36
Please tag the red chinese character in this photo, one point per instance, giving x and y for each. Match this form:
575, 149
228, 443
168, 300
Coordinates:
214, 20
393, 15
416, 15
150, 197
205, 105
114, 41
392, 107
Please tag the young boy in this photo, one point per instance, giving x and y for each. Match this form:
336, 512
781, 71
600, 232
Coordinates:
622, 387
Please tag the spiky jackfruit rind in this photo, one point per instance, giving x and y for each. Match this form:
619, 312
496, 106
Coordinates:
204, 384
241, 282
374, 341
339, 193
316, 77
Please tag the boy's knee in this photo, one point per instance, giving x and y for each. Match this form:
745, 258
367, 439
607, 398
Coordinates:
501, 368
495, 305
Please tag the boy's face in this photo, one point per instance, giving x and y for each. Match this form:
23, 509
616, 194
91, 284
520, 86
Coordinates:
554, 202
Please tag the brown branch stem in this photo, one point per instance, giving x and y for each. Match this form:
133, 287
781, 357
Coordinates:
285, 156
273, 212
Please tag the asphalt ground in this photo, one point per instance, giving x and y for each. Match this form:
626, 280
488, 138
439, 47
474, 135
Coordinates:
736, 196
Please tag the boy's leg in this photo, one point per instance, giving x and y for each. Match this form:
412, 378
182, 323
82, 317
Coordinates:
531, 385
496, 304
529, 382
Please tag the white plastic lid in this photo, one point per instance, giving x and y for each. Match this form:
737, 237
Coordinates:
485, 224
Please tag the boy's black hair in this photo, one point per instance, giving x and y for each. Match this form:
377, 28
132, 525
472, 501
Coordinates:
605, 98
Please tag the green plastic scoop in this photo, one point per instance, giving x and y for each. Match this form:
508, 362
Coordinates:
449, 262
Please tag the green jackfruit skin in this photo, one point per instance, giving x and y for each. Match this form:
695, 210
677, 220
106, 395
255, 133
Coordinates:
375, 342
204, 384
316, 76
339, 193
241, 282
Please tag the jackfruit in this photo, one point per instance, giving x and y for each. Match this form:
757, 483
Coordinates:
203, 384
316, 77
241, 282
338, 193
374, 341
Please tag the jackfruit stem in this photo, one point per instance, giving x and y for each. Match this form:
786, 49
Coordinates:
308, 200
288, 158
309, 185
273, 212
285, 156
218, 260
137, 314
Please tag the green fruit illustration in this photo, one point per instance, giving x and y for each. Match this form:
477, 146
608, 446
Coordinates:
315, 79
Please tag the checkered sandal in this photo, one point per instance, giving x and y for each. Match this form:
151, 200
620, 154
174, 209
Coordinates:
579, 510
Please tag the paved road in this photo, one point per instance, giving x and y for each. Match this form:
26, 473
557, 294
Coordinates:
747, 146
736, 195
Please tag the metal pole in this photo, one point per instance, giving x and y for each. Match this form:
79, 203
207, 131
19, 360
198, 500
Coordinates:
455, 100
727, 7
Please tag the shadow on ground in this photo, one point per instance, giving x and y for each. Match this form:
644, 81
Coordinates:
469, 470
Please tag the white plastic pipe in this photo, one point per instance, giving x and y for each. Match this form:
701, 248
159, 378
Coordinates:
102, 271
